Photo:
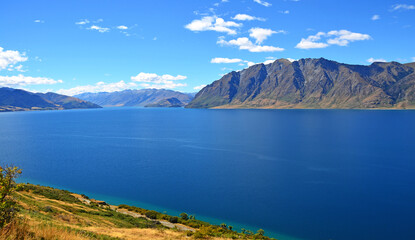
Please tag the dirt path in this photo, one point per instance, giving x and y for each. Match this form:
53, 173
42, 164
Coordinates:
165, 223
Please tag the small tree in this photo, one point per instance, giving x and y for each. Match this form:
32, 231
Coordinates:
260, 232
7, 187
173, 219
184, 216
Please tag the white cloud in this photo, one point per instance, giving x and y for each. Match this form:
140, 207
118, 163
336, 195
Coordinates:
213, 24
19, 68
372, 60
269, 61
261, 34
152, 80
291, 59
98, 87
285, 12
263, 3
82, 22
122, 27
99, 29
246, 17
310, 42
344, 37
10, 57
39, 21
245, 44
199, 87
413, 59
225, 60
402, 7
340, 38
375, 17
20, 80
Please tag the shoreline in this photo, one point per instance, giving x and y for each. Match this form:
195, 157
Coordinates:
116, 201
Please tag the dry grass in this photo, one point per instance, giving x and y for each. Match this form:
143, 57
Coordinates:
138, 233
25, 230
46, 218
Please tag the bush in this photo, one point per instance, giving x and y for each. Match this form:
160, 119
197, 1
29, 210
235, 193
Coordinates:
7, 187
184, 216
173, 219
151, 214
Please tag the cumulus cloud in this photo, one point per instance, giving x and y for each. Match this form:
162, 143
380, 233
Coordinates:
246, 17
199, 87
98, 87
372, 60
39, 21
122, 27
336, 37
214, 23
10, 57
99, 29
20, 80
402, 7
375, 17
413, 59
261, 34
263, 3
225, 60
152, 80
245, 44
82, 22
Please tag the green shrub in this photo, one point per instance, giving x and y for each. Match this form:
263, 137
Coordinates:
173, 219
184, 216
8, 205
151, 214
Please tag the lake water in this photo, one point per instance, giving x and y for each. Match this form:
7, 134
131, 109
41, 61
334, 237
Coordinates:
298, 174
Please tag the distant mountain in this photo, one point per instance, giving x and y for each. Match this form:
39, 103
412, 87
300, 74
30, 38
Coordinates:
67, 102
20, 100
312, 83
169, 102
141, 97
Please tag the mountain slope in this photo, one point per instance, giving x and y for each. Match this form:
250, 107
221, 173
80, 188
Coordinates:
169, 102
50, 214
312, 83
10, 97
67, 102
140, 97
21, 100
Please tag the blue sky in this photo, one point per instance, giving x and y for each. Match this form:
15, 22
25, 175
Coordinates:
74, 46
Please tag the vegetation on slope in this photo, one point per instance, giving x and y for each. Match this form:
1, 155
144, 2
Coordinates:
37, 212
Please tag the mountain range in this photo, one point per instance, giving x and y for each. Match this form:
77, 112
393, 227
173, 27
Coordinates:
140, 98
312, 83
20, 100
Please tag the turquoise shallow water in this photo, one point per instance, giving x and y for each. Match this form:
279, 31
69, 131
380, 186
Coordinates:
305, 174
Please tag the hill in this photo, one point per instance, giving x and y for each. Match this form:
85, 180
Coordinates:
49, 214
21, 100
140, 98
312, 83
169, 102
67, 102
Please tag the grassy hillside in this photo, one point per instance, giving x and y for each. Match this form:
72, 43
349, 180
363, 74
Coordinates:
48, 213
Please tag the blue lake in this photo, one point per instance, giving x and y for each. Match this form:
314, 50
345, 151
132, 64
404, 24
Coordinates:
298, 174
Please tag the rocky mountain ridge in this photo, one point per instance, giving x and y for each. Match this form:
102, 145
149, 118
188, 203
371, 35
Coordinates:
312, 83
